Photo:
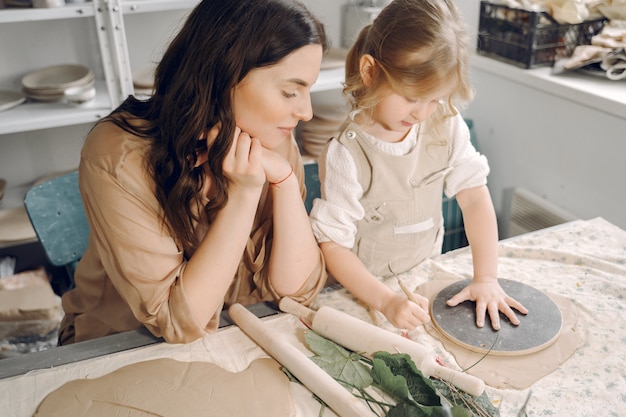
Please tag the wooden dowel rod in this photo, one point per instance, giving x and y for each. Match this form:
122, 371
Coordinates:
288, 305
367, 339
302, 367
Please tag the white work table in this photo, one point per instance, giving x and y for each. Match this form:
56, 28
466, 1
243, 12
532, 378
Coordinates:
584, 261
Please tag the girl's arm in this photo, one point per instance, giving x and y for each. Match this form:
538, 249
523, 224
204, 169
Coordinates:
482, 233
345, 266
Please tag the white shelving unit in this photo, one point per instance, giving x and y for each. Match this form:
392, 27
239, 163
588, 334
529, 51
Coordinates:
49, 29
111, 37
76, 10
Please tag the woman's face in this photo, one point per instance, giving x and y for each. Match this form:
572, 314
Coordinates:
270, 101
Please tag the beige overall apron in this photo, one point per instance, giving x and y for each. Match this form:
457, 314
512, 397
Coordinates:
402, 200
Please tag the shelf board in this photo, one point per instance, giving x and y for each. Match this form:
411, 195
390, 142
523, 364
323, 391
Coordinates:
145, 6
33, 116
592, 91
38, 14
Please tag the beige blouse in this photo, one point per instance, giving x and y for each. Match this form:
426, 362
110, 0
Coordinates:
130, 274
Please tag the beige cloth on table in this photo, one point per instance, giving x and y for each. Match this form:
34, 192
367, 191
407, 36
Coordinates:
521, 371
170, 388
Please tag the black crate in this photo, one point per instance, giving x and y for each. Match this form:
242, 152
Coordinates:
529, 39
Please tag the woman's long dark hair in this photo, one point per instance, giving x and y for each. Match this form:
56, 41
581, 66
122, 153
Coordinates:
220, 42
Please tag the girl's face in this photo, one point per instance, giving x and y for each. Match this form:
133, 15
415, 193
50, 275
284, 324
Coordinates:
270, 101
395, 113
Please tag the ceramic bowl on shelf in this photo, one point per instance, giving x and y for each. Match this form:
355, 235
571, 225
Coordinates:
66, 82
57, 77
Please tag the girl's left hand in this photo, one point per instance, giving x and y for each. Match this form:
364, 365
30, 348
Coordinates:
489, 297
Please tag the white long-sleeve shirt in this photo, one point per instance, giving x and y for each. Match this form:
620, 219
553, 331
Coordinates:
334, 216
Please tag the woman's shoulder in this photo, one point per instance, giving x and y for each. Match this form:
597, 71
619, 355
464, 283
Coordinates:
109, 146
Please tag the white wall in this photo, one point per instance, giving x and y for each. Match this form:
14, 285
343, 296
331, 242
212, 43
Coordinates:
329, 12
569, 153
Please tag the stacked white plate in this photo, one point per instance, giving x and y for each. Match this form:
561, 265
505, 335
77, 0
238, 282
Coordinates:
67, 82
325, 124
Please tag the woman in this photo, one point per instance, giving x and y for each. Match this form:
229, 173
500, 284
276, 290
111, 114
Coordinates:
195, 195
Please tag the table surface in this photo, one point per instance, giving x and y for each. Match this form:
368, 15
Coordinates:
584, 261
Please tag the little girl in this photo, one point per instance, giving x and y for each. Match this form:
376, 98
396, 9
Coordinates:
403, 145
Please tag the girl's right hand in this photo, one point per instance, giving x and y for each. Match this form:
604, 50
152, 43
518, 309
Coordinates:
404, 313
243, 164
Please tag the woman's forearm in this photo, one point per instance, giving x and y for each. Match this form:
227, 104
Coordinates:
295, 252
210, 271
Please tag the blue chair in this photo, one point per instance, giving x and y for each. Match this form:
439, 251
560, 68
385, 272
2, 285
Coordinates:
56, 211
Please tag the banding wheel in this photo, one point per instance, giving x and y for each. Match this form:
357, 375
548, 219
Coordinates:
536, 331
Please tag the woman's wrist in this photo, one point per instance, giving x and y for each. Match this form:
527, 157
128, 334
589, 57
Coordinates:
281, 180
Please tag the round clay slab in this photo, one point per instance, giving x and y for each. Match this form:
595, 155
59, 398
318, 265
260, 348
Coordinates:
536, 331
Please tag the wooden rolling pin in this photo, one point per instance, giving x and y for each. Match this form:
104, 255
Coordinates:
302, 367
367, 339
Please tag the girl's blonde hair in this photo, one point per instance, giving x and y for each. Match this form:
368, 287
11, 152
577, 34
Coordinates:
419, 46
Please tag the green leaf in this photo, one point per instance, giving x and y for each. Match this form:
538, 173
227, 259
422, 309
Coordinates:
338, 362
390, 369
385, 379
